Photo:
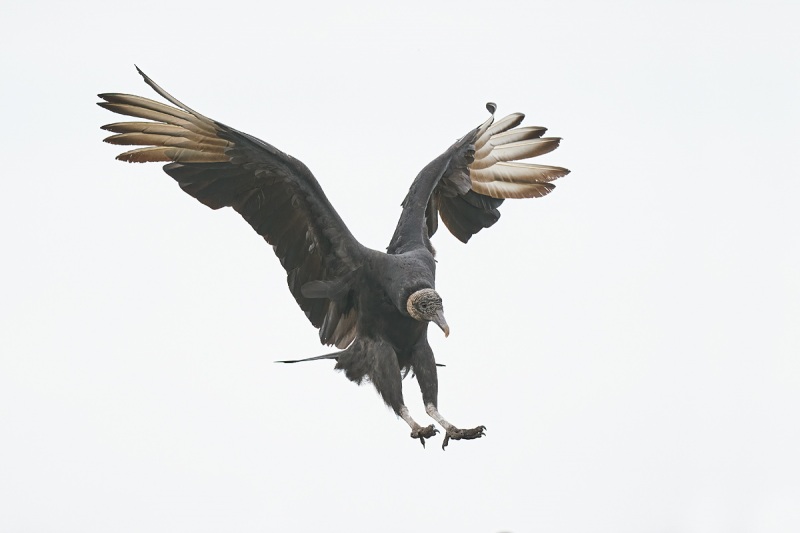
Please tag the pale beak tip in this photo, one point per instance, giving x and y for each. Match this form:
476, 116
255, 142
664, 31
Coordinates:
442, 323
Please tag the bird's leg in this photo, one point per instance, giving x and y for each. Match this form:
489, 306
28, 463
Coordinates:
385, 375
424, 366
417, 431
452, 432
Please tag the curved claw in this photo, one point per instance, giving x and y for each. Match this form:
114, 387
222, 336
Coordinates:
463, 434
424, 433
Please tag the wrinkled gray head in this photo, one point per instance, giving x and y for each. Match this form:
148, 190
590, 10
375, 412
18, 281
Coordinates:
426, 304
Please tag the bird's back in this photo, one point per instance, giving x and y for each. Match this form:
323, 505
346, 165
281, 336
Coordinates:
387, 281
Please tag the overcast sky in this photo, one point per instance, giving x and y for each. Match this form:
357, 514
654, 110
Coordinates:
630, 341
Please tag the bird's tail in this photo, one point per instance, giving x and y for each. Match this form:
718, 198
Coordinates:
326, 356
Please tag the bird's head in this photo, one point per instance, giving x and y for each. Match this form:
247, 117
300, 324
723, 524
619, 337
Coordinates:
426, 304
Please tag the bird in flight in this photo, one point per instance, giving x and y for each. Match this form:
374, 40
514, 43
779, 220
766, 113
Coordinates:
374, 307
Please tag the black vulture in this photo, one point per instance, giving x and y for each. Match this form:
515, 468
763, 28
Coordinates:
373, 306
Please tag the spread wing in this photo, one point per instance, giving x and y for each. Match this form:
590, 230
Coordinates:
466, 185
274, 192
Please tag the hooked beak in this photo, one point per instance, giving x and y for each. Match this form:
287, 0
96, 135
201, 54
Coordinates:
441, 322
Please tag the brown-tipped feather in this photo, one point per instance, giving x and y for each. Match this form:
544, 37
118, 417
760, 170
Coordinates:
147, 103
148, 127
518, 134
158, 128
516, 150
499, 189
517, 172
506, 123
150, 109
149, 139
168, 153
515, 135
188, 122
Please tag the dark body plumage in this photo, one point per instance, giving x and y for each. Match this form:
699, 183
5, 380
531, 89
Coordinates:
374, 306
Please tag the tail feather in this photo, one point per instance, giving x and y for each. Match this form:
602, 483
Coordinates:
318, 357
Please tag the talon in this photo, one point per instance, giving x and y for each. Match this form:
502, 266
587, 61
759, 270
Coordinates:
424, 433
463, 434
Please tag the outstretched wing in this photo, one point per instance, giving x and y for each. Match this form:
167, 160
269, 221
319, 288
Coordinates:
466, 185
274, 192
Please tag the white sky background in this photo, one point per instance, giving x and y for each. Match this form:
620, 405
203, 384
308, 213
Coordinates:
631, 341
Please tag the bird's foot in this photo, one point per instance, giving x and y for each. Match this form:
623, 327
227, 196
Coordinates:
423, 433
465, 434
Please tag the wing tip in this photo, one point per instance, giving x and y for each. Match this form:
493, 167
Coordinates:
142, 74
127, 159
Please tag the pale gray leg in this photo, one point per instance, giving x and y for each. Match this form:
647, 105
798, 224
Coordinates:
452, 432
417, 431
424, 366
